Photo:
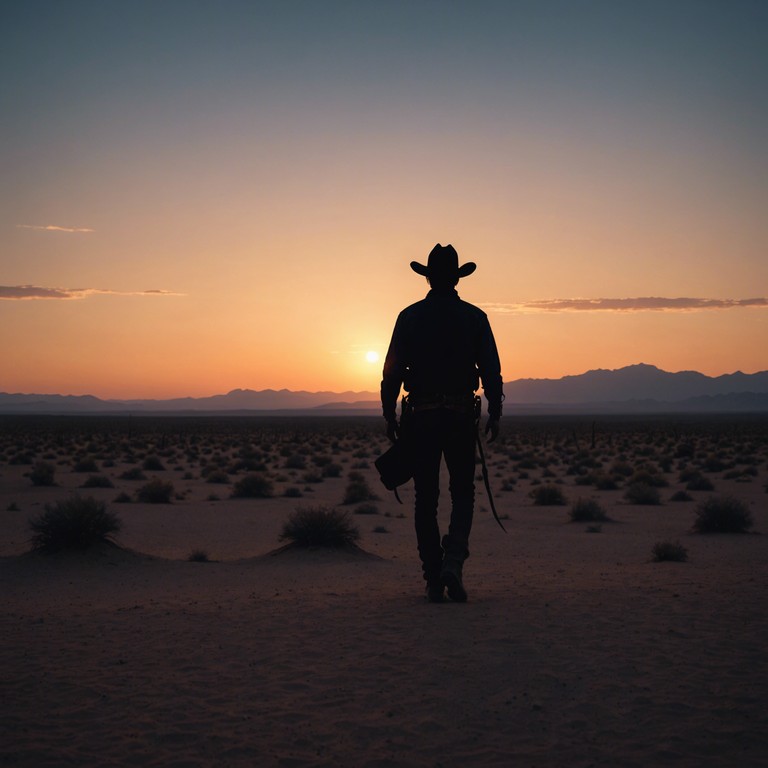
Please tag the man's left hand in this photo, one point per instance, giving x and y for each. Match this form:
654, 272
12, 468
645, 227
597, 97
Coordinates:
492, 429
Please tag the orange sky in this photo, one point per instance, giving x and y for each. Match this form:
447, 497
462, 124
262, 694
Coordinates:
218, 199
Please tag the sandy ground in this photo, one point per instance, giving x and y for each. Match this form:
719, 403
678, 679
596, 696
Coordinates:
574, 649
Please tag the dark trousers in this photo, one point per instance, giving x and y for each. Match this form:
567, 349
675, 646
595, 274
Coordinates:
435, 433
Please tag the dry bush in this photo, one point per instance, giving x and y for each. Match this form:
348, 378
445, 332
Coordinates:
722, 514
669, 551
358, 490
588, 510
319, 527
642, 493
253, 487
548, 496
42, 474
74, 523
156, 491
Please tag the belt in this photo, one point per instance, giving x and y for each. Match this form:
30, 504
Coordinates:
433, 401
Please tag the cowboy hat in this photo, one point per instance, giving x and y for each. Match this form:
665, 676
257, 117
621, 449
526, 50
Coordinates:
443, 262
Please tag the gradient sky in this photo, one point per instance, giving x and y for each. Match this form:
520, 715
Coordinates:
199, 196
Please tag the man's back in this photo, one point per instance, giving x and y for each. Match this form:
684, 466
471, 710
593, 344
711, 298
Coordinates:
439, 346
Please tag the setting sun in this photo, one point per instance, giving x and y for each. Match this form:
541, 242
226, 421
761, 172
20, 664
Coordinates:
372, 357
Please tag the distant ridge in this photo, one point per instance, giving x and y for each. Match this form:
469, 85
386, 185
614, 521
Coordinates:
637, 388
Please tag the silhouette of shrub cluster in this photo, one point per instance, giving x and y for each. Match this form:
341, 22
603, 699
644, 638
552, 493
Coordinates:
358, 490
156, 491
319, 527
669, 551
75, 523
642, 493
42, 474
722, 514
252, 487
548, 496
588, 510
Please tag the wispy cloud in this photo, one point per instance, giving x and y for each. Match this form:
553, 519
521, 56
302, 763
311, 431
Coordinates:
641, 304
54, 228
29, 292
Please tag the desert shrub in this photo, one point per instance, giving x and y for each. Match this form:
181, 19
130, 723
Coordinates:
319, 527
252, 487
332, 470
381, 529
548, 496
73, 523
622, 469
85, 464
642, 493
134, 473
292, 492
681, 496
722, 514
699, 483
296, 461
122, 498
98, 481
358, 490
312, 477
42, 474
217, 476
587, 510
606, 483
366, 509
647, 477
153, 464
12, 507
156, 491
669, 551
714, 463
198, 556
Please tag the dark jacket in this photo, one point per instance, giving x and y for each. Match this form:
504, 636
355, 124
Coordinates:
442, 345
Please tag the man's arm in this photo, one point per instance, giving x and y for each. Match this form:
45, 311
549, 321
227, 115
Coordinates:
489, 367
392, 378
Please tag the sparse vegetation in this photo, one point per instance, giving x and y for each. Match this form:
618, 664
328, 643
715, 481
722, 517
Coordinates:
253, 486
156, 491
642, 493
548, 496
319, 527
722, 514
75, 523
669, 551
588, 510
42, 474
358, 490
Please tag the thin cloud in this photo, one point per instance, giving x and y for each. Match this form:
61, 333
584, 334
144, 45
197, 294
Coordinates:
641, 304
54, 228
32, 292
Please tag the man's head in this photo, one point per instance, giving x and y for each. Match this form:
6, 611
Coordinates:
442, 269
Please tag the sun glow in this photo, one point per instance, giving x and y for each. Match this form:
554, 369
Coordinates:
372, 357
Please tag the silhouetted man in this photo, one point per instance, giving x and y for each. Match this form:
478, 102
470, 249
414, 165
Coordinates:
440, 350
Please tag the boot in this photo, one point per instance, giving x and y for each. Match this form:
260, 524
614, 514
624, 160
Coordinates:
451, 572
435, 590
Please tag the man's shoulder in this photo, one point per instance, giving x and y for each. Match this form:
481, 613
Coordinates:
427, 306
471, 309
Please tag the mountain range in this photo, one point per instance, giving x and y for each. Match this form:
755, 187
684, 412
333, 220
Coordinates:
634, 389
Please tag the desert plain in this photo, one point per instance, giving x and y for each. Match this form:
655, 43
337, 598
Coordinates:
198, 641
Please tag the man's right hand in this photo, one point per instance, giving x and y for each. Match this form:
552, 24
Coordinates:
393, 431
492, 429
